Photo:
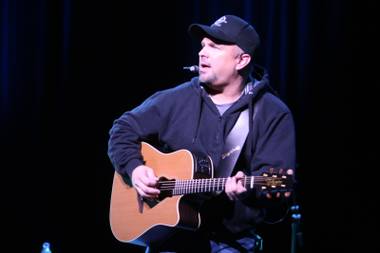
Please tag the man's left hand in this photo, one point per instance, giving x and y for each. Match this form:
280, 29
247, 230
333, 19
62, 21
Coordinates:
234, 186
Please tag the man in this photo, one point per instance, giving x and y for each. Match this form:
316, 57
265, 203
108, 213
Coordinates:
198, 116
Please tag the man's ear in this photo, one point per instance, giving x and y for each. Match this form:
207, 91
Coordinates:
244, 60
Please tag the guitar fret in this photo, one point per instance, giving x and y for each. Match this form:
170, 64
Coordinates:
175, 190
189, 186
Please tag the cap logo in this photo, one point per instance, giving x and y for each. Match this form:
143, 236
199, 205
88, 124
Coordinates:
220, 21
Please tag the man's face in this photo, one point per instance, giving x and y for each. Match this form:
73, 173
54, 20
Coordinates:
217, 62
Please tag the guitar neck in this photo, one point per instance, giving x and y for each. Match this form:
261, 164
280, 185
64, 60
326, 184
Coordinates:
181, 187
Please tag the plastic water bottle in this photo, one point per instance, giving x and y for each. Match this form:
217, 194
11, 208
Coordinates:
46, 248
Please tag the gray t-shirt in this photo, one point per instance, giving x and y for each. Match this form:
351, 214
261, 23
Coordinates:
223, 107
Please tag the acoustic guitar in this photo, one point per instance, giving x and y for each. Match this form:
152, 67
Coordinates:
181, 173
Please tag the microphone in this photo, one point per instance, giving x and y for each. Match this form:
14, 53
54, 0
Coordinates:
193, 69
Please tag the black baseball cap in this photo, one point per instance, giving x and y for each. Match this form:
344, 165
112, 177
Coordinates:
229, 29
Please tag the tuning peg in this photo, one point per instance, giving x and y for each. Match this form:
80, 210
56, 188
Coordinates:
290, 172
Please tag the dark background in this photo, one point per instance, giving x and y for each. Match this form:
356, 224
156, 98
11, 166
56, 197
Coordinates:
69, 68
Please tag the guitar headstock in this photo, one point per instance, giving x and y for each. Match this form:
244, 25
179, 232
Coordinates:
276, 181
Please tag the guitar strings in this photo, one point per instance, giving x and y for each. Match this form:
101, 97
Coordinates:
212, 183
217, 180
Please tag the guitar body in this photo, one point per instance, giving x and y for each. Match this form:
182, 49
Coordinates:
139, 222
148, 222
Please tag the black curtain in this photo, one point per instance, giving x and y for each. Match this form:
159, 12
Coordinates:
69, 68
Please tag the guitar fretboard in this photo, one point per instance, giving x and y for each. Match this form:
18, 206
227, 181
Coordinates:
180, 187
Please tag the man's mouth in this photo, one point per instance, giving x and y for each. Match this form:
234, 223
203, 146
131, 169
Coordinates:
204, 66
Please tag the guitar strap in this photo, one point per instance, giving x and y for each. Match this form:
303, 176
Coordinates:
234, 143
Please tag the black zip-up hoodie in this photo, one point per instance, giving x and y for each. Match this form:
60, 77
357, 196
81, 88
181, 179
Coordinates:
184, 117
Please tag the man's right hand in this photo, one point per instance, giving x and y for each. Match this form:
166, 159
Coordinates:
144, 181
